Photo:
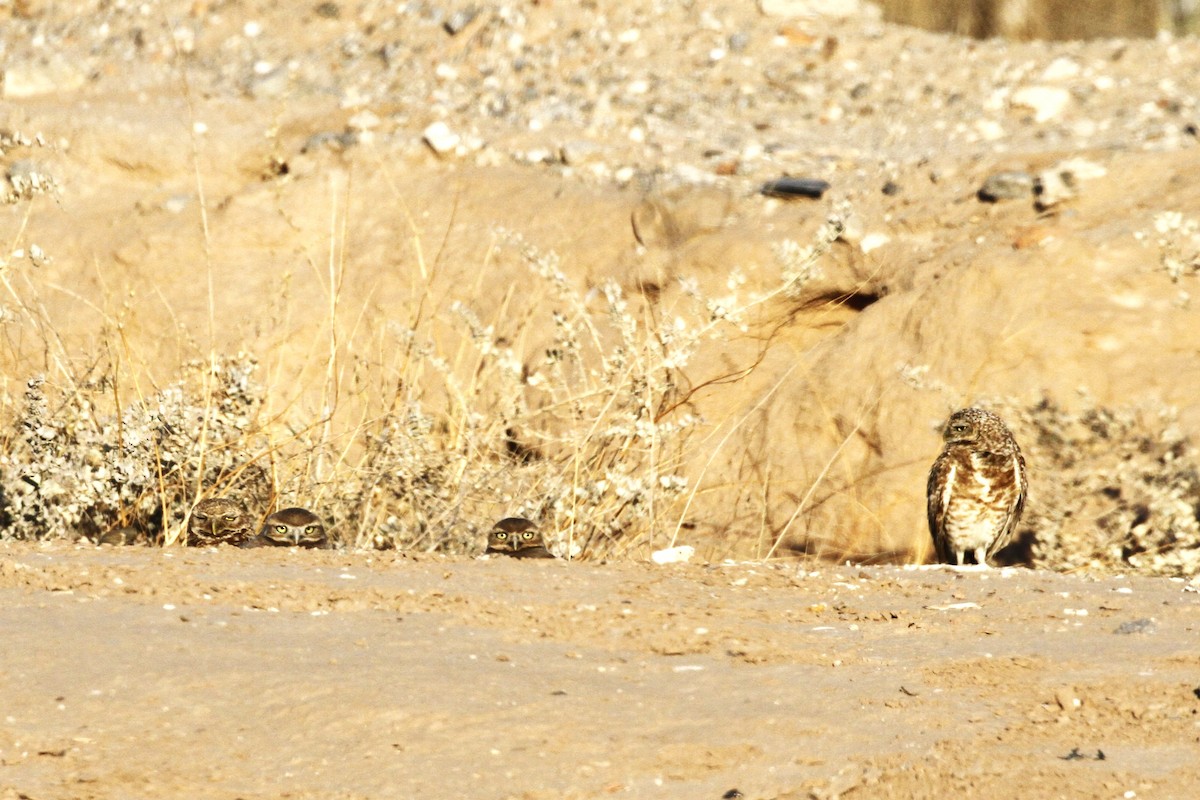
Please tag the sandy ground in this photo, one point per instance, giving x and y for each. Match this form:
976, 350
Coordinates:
139, 672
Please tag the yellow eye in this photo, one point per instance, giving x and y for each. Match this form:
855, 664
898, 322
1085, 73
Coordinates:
230, 517
281, 528
501, 535
527, 535
311, 529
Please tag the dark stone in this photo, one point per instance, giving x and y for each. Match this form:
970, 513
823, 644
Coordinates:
796, 187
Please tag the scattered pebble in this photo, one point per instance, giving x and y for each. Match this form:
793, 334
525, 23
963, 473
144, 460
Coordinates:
1144, 625
673, 555
440, 138
1008, 185
459, 20
1053, 187
788, 188
578, 152
1046, 102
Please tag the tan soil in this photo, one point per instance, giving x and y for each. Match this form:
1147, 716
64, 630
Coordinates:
139, 672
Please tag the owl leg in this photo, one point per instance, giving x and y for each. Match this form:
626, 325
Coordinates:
981, 557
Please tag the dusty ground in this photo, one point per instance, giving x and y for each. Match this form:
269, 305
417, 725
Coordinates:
139, 672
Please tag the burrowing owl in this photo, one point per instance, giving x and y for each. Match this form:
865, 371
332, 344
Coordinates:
517, 537
291, 527
976, 487
218, 520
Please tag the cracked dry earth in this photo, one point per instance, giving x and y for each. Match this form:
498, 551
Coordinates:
148, 673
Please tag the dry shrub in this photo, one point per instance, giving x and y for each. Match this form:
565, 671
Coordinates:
585, 434
77, 469
1111, 489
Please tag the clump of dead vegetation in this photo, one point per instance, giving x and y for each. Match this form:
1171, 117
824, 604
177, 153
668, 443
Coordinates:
1117, 489
584, 432
81, 465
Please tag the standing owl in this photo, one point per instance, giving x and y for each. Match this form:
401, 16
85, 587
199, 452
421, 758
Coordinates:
218, 520
291, 527
976, 487
517, 537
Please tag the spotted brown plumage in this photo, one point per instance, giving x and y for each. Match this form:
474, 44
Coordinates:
976, 489
517, 537
218, 520
292, 527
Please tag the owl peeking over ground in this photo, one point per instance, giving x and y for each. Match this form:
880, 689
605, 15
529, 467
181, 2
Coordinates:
292, 527
517, 537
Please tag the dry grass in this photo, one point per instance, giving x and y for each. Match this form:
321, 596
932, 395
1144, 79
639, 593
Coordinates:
571, 404
414, 434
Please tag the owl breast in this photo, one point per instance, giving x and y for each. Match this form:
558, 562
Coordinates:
980, 500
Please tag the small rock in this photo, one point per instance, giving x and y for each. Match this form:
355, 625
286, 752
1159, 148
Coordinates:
1081, 169
1062, 181
1061, 69
536, 155
1046, 102
989, 130
440, 138
1067, 699
269, 85
673, 555
1052, 187
455, 23
329, 140
27, 178
795, 187
580, 151
1007, 185
1144, 625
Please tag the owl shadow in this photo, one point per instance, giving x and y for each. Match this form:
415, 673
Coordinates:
1018, 552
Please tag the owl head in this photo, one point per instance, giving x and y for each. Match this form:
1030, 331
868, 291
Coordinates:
976, 427
512, 534
293, 527
218, 520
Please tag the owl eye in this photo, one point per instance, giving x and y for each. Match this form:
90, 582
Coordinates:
958, 427
230, 517
200, 516
311, 529
281, 528
527, 535
501, 535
